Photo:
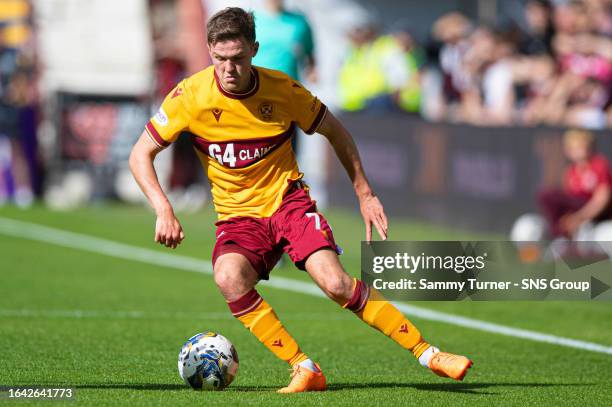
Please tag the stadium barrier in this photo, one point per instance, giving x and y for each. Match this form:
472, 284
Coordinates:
96, 135
474, 178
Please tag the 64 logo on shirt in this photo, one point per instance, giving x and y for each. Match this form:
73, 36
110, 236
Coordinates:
235, 155
241, 153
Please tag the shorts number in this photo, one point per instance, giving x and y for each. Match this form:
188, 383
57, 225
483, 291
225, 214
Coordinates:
317, 219
228, 156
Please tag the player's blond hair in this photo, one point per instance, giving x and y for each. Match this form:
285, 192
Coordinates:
579, 136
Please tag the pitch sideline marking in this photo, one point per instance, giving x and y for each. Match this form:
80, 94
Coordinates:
136, 314
111, 248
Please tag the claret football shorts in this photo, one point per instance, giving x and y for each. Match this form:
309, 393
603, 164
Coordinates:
296, 228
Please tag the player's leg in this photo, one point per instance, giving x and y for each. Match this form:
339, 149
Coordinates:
554, 204
326, 271
371, 307
311, 246
236, 278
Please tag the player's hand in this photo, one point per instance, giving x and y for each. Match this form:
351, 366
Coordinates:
168, 230
373, 214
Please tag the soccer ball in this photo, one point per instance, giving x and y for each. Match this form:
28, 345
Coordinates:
208, 361
528, 228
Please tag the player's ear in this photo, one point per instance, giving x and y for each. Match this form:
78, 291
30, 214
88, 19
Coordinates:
255, 48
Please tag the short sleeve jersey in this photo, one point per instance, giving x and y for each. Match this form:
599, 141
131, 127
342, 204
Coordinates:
242, 140
583, 181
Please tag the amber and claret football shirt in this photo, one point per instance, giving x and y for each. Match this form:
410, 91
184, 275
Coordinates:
243, 140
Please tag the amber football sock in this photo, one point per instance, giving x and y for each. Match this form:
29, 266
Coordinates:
259, 318
369, 305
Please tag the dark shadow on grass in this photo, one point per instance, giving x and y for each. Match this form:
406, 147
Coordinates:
447, 387
134, 386
165, 387
469, 388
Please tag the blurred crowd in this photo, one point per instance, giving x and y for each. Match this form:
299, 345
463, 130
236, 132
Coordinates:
17, 103
553, 67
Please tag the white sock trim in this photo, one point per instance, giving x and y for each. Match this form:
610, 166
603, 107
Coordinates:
309, 364
426, 356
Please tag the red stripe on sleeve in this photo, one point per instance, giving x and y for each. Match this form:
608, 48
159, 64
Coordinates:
155, 135
317, 121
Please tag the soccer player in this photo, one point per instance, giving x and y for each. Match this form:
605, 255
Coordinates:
241, 119
587, 188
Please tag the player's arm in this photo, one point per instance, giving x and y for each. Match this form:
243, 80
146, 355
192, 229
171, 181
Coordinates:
168, 230
593, 208
346, 150
598, 202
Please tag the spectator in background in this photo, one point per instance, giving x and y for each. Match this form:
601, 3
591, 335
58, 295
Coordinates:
487, 94
409, 95
600, 14
285, 40
452, 31
17, 94
580, 93
286, 44
498, 87
487, 79
588, 65
587, 189
539, 31
380, 72
557, 72
569, 17
579, 90
535, 78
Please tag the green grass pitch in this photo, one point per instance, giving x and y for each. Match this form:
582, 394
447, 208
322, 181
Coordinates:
112, 328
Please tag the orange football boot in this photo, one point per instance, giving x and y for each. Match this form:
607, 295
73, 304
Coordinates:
303, 379
448, 365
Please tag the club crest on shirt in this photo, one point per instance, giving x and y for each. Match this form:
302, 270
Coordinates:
217, 113
161, 117
265, 111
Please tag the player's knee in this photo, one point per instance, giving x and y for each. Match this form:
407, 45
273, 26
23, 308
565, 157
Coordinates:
233, 277
226, 274
338, 287
222, 279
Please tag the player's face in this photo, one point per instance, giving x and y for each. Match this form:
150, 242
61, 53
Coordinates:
577, 150
232, 62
